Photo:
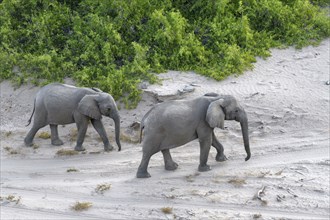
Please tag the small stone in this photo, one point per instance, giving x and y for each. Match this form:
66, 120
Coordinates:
144, 85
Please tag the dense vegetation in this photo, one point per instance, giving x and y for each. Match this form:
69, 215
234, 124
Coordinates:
115, 44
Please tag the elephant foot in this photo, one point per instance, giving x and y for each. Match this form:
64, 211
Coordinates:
79, 148
57, 142
203, 168
171, 166
108, 148
28, 143
220, 157
143, 174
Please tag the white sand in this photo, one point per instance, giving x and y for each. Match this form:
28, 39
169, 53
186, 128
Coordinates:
287, 100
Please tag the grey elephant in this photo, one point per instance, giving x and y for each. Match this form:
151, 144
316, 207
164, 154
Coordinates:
58, 104
174, 123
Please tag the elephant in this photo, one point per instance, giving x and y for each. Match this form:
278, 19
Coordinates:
174, 123
59, 104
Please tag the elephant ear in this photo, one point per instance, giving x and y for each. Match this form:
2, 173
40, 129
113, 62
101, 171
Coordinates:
88, 106
215, 115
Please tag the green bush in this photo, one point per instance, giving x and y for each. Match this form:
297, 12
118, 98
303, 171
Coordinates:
114, 45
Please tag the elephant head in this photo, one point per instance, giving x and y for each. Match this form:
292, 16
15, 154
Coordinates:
96, 105
227, 108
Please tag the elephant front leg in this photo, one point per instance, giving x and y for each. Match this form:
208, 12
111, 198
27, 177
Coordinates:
220, 151
82, 124
98, 125
205, 145
169, 163
55, 140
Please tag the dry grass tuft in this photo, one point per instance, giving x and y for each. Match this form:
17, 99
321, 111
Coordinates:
81, 206
8, 133
191, 177
10, 150
65, 152
101, 188
167, 210
264, 202
44, 135
11, 198
237, 182
257, 216
35, 146
72, 170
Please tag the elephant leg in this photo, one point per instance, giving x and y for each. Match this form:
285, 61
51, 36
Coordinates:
169, 163
205, 145
54, 135
98, 125
143, 168
28, 140
82, 124
215, 143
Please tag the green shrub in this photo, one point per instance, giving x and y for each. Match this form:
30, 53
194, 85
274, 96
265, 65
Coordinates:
114, 45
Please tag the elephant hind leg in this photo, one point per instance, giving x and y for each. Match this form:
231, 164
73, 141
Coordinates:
28, 140
143, 168
169, 163
56, 141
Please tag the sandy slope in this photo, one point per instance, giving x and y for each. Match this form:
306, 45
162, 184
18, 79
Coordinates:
287, 100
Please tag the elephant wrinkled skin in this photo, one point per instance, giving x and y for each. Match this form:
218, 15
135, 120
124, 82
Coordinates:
58, 104
174, 123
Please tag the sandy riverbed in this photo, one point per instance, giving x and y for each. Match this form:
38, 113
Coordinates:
287, 100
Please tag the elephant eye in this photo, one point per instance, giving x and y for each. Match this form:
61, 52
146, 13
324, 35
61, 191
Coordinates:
109, 109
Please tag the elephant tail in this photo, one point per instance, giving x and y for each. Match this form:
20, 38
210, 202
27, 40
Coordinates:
34, 107
141, 131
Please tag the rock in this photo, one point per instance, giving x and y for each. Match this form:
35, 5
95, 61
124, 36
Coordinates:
186, 89
167, 92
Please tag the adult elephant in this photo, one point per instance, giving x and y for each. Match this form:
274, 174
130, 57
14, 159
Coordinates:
174, 123
58, 104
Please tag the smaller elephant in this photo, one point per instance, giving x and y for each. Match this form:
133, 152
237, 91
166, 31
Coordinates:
175, 123
59, 104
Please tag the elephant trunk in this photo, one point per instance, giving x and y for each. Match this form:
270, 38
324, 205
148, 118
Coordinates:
116, 119
245, 133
